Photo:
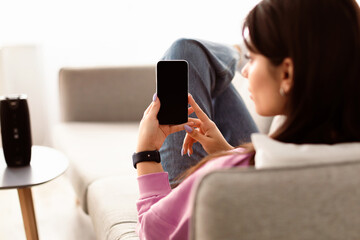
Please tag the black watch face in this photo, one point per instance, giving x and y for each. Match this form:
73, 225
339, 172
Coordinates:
147, 156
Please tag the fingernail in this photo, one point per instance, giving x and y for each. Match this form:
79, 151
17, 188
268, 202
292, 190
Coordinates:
182, 151
154, 97
188, 128
189, 153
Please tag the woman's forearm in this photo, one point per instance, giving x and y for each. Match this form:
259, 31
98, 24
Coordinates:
148, 167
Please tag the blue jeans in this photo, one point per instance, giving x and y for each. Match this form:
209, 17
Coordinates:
211, 68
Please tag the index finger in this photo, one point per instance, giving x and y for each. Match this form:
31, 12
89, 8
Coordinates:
178, 128
199, 113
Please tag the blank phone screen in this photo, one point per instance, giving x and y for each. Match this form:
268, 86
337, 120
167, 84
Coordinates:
172, 90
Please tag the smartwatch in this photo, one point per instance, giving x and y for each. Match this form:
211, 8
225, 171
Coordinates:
147, 156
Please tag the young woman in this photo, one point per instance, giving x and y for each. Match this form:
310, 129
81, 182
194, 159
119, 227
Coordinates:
304, 63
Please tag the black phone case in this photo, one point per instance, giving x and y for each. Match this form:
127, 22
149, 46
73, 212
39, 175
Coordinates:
172, 90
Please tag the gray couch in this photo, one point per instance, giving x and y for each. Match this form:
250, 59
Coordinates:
319, 202
101, 109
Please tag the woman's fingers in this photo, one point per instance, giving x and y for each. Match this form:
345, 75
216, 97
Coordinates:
196, 134
190, 146
154, 109
192, 122
190, 110
178, 128
199, 113
187, 145
147, 110
197, 122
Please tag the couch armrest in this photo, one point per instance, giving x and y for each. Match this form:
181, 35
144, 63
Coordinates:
307, 202
112, 207
106, 93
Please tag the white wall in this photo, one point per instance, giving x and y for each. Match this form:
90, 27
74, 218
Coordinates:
54, 34
21, 72
121, 31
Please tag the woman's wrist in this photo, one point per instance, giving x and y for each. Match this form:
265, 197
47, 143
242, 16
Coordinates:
148, 167
145, 147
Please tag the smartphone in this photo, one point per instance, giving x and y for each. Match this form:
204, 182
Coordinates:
172, 89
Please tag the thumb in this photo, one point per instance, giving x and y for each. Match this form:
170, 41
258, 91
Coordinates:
155, 106
197, 135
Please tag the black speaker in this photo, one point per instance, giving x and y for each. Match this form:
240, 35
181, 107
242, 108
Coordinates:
15, 130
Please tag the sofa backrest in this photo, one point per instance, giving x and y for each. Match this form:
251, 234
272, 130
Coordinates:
308, 202
106, 93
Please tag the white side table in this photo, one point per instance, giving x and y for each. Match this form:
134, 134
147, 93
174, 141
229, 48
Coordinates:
46, 164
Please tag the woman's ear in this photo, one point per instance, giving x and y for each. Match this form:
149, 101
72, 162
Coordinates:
287, 75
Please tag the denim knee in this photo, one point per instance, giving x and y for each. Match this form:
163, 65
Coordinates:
184, 48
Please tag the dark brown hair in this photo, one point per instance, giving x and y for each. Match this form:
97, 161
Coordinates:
322, 37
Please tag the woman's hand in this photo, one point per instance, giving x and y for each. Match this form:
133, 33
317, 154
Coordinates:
151, 134
205, 132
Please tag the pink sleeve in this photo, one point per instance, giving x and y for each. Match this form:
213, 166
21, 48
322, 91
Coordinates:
164, 213
152, 188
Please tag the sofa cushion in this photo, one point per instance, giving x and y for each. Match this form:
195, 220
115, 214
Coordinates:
112, 208
303, 202
96, 150
106, 93
272, 153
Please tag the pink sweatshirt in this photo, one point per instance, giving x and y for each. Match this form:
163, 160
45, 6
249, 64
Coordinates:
165, 213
